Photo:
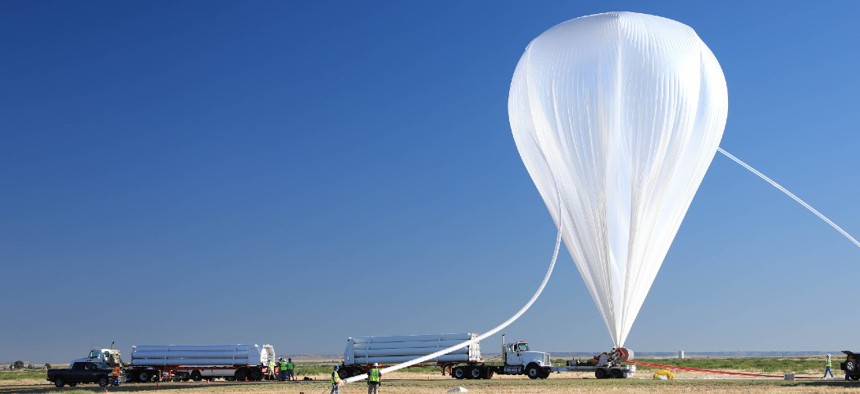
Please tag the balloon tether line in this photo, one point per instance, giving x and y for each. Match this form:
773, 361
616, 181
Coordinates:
486, 334
790, 194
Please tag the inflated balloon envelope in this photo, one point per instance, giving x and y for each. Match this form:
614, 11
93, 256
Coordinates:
617, 117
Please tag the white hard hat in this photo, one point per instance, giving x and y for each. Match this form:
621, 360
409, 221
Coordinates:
375, 364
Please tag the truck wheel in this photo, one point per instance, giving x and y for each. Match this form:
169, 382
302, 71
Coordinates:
533, 371
475, 373
616, 373
196, 376
255, 374
59, 382
600, 373
545, 373
143, 376
458, 373
103, 382
240, 374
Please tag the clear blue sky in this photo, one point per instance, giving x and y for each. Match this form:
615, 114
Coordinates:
296, 173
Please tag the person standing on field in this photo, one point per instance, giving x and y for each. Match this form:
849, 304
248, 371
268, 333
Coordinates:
116, 372
335, 381
271, 374
282, 369
373, 379
290, 368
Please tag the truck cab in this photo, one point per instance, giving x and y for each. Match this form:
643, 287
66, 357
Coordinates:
111, 357
519, 359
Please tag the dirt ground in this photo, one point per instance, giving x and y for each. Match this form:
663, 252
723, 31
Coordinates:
417, 383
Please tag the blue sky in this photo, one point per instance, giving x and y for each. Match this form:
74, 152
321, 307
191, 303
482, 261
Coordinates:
296, 173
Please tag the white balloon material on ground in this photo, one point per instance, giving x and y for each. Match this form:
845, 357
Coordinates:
619, 114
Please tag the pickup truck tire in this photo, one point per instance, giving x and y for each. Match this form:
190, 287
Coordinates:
103, 382
533, 371
59, 382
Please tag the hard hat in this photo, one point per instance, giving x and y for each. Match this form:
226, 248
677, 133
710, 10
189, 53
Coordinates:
289, 359
335, 367
375, 364
281, 359
828, 354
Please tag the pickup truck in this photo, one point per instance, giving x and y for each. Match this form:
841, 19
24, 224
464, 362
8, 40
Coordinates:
81, 372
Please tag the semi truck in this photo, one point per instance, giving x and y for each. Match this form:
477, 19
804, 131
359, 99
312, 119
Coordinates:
466, 362
189, 362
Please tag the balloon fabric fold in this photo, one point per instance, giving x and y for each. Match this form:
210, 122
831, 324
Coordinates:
620, 114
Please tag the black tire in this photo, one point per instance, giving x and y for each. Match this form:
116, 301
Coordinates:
103, 382
59, 382
545, 374
533, 371
600, 373
196, 376
240, 374
458, 373
475, 373
616, 373
344, 373
143, 376
255, 374
854, 377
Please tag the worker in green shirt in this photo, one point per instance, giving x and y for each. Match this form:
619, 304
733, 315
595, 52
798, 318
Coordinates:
290, 368
373, 379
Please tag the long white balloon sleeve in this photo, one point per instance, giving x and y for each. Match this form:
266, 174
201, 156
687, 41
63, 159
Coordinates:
625, 111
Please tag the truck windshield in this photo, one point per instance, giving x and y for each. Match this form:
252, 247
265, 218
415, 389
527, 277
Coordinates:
93, 354
522, 347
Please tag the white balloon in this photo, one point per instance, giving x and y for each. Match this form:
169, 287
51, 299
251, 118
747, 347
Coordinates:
622, 113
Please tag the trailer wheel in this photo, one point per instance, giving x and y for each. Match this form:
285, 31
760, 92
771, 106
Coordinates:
458, 373
344, 373
600, 373
103, 382
143, 376
240, 374
59, 382
533, 371
255, 374
475, 373
196, 376
616, 373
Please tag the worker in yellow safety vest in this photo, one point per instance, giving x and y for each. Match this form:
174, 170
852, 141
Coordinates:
335, 381
282, 369
373, 379
828, 367
271, 374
